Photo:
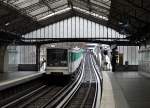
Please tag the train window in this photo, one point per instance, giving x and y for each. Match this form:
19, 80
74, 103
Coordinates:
57, 57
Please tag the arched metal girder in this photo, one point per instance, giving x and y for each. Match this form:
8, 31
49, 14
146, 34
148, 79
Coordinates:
35, 41
69, 14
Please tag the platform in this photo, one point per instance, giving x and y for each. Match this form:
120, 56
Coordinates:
125, 90
14, 78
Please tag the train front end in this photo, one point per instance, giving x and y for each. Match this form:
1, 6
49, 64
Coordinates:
57, 61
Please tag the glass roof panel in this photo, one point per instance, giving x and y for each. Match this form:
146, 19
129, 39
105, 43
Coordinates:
100, 3
106, 3
41, 15
25, 3
81, 5
92, 8
91, 13
40, 10
43, 8
58, 3
55, 13
61, 8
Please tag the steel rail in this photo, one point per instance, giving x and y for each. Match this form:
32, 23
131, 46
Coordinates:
86, 96
18, 94
72, 90
89, 88
99, 74
97, 103
96, 90
53, 101
69, 99
50, 100
55, 98
35, 98
9, 105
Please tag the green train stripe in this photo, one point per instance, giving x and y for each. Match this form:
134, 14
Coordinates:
75, 55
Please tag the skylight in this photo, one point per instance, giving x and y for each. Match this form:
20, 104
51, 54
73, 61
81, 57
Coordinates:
56, 13
42, 9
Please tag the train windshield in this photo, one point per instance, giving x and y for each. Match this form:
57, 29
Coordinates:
57, 57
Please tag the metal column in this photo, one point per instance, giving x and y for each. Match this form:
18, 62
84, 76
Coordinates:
38, 57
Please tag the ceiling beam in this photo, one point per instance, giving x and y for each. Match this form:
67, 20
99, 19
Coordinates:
137, 6
70, 4
13, 9
92, 40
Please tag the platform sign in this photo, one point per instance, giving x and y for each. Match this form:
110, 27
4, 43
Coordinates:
113, 46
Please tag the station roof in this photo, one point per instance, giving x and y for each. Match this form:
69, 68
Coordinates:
129, 17
22, 16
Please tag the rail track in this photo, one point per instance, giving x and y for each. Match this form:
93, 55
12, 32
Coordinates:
10, 94
83, 92
85, 95
88, 93
44, 96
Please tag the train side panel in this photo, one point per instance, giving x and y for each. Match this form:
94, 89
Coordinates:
75, 60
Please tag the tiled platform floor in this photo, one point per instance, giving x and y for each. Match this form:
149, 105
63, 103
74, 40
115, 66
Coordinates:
14, 78
125, 90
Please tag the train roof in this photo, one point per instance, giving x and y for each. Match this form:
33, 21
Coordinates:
92, 45
75, 49
56, 48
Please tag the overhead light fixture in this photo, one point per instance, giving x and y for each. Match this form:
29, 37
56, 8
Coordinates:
55, 13
120, 23
53, 45
8, 23
91, 13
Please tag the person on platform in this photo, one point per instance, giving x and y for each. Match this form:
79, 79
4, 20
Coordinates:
114, 60
43, 65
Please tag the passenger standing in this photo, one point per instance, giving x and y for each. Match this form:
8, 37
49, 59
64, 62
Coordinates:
43, 65
114, 60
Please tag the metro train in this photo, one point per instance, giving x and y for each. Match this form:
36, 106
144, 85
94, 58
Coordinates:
63, 61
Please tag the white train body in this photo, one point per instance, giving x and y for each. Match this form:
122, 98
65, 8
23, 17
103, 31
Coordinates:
61, 61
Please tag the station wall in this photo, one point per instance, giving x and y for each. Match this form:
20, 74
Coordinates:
144, 60
130, 54
75, 27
